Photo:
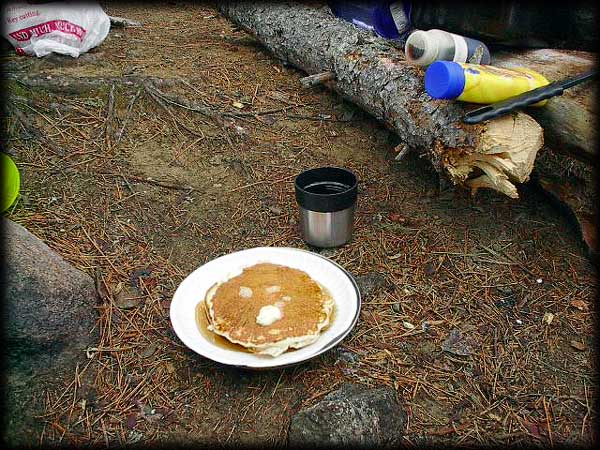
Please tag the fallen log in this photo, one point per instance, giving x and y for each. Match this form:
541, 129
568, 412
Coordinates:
372, 73
569, 120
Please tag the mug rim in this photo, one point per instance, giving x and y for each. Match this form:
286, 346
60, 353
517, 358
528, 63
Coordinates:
326, 202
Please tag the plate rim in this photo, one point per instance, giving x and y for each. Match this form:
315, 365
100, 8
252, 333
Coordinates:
332, 342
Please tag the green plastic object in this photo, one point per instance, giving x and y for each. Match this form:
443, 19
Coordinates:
11, 181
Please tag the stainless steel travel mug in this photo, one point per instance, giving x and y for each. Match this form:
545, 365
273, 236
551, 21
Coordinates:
326, 199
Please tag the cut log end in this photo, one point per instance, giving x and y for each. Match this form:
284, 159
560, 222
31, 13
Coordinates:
504, 156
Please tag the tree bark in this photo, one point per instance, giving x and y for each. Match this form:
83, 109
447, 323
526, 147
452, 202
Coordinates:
372, 73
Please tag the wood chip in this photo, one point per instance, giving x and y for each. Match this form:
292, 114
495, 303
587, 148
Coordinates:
578, 345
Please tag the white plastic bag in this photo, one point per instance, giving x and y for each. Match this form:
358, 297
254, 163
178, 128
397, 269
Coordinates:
70, 28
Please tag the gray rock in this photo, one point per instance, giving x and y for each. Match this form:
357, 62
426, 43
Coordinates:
351, 416
459, 344
346, 355
49, 316
371, 283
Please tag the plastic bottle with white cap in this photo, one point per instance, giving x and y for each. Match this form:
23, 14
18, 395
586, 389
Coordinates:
424, 47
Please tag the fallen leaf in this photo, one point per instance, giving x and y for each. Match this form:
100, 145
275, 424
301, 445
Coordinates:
548, 318
581, 305
577, 345
238, 105
408, 325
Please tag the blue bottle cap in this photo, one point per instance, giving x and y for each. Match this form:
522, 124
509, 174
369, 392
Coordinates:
444, 80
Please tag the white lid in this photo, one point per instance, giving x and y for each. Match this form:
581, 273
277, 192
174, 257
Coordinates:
421, 48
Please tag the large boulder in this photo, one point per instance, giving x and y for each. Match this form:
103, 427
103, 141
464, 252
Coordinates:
49, 319
353, 416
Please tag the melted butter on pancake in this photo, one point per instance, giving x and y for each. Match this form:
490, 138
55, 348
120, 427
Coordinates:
245, 292
268, 315
287, 309
273, 289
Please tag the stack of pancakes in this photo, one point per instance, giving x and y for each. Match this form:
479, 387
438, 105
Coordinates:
269, 308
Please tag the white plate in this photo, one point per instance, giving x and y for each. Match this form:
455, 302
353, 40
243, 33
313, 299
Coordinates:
333, 277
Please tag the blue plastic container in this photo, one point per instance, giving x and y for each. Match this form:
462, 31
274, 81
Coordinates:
445, 80
388, 19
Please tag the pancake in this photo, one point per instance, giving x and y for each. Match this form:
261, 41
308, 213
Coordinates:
269, 308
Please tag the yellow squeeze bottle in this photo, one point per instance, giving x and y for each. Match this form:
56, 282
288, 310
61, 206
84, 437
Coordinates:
480, 83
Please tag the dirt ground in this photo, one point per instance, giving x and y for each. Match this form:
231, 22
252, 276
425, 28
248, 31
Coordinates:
138, 188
